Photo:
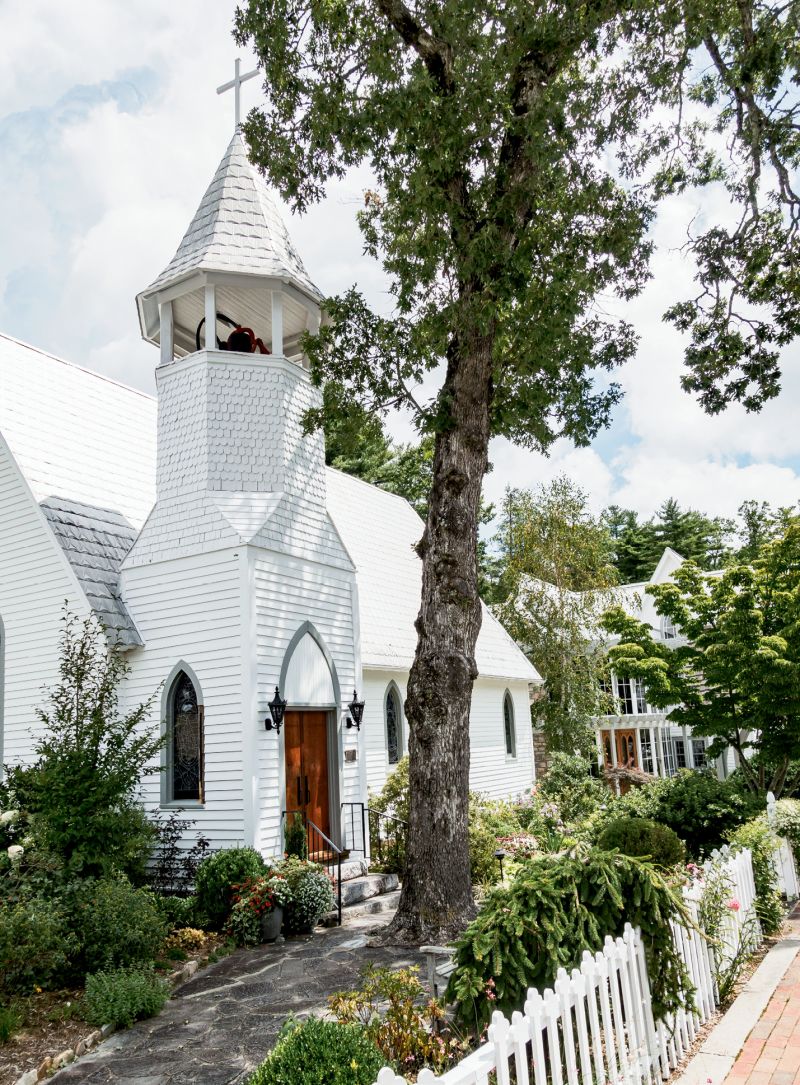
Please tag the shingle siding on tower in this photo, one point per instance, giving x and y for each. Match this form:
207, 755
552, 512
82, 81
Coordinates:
238, 227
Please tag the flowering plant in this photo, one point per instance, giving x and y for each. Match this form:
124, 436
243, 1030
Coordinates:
519, 845
252, 900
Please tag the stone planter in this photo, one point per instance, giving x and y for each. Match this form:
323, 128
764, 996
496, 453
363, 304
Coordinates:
271, 924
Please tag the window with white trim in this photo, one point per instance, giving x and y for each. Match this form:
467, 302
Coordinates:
509, 726
647, 751
699, 753
393, 717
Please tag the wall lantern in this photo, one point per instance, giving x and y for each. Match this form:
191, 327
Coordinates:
356, 710
277, 707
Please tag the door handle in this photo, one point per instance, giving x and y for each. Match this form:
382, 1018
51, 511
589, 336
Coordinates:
299, 793
308, 797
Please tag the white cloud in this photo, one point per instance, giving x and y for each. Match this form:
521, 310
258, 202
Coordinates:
112, 131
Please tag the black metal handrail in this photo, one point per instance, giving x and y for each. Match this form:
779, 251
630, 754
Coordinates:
381, 834
321, 849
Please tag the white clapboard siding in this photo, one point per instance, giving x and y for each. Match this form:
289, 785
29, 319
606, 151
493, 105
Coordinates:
189, 611
595, 1026
492, 771
288, 593
31, 610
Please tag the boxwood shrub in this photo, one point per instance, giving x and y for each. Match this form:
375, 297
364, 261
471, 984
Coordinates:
216, 876
317, 1052
643, 839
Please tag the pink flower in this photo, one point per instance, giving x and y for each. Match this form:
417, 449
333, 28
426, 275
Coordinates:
734, 905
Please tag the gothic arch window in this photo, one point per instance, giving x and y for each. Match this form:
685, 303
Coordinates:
394, 725
185, 741
509, 726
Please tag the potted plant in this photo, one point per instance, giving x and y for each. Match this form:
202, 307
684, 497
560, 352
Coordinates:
257, 912
272, 919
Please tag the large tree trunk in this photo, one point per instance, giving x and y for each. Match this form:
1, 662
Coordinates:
436, 900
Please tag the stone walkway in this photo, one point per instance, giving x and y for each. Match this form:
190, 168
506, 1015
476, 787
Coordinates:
771, 1053
219, 1026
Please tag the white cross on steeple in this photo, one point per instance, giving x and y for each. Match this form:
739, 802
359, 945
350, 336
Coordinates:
236, 83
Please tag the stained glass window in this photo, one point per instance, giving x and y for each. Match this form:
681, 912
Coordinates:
186, 726
508, 724
393, 743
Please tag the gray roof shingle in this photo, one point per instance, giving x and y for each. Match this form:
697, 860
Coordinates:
95, 542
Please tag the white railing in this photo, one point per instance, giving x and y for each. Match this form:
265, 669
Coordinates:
595, 1025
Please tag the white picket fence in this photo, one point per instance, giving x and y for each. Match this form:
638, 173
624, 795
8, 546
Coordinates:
785, 869
596, 1026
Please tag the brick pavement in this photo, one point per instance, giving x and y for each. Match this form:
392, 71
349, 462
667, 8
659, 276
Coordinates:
771, 1053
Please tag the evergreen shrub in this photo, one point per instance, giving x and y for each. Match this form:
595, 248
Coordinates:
317, 1052
34, 945
123, 996
762, 842
556, 907
113, 924
701, 809
295, 837
642, 839
217, 874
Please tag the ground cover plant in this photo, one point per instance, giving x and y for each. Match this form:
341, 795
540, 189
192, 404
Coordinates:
124, 995
316, 1052
554, 908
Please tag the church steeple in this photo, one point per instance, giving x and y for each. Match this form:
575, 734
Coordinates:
237, 262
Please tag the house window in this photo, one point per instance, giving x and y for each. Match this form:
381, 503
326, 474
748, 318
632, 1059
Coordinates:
680, 753
394, 742
509, 726
668, 755
647, 751
185, 741
625, 695
699, 753
641, 697
668, 630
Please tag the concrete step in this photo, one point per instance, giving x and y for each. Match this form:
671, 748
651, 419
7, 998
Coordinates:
352, 868
363, 909
368, 885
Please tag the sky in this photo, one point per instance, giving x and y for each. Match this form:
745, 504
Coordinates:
110, 131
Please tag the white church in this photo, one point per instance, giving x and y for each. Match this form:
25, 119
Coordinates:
205, 531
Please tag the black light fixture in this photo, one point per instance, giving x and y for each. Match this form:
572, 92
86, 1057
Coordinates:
277, 707
500, 855
356, 710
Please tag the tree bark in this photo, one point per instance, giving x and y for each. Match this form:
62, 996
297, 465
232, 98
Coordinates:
436, 899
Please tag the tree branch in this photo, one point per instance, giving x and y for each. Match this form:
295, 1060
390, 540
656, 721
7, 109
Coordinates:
436, 54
